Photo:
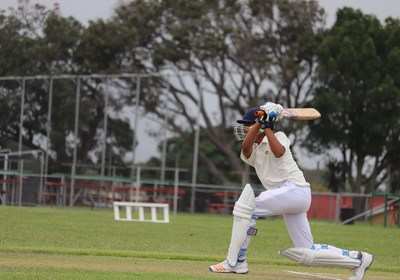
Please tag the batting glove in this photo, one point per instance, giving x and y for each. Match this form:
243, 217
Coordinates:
267, 120
273, 110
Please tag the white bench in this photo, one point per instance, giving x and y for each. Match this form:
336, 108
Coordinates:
140, 206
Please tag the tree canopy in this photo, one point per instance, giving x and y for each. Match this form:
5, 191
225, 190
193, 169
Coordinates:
358, 95
226, 56
218, 58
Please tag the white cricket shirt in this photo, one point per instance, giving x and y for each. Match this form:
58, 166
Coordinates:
273, 171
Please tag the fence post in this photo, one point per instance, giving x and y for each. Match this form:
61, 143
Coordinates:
138, 174
338, 198
5, 177
385, 211
48, 128
136, 123
43, 179
21, 128
64, 190
176, 190
105, 128
76, 131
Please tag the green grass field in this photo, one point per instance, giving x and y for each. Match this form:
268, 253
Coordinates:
54, 243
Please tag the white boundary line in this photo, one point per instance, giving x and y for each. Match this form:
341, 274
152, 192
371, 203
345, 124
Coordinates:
319, 276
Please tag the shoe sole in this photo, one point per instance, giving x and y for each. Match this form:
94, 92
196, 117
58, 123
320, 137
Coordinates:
372, 261
236, 272
366, 269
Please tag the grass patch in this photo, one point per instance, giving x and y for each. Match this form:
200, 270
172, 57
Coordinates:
67, 274
201, 238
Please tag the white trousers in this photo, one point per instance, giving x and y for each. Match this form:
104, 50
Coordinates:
292, 202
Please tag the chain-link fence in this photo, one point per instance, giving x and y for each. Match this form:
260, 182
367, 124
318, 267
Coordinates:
85, 130
90, 125
96, 191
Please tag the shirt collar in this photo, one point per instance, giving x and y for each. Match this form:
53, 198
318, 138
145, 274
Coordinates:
265, 140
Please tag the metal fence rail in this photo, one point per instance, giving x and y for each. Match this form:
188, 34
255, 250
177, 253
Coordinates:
97, 191
137, 77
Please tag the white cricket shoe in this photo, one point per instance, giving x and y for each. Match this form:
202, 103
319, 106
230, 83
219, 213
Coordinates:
366, 262
224, 267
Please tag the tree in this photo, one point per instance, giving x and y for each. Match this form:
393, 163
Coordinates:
226, 56
37, 41
359, 97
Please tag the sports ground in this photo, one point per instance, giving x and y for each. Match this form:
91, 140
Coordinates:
79, 243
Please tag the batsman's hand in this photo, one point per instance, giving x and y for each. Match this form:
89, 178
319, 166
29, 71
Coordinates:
266, 120
273, 110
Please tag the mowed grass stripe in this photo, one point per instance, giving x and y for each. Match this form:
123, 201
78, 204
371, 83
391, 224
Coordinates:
40, 266
17, 273
81, 231
155, 256
89, 267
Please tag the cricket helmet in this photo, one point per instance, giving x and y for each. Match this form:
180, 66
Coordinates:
249, 117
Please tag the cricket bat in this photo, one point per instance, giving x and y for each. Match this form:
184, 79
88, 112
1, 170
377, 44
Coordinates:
301, 114
298, 114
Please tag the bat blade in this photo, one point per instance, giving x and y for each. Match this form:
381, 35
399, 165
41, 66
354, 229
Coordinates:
301, 114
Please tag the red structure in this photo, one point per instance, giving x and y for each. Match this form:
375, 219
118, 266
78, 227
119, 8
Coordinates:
330, 206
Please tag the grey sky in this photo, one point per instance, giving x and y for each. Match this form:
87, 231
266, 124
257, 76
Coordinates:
85, 10
380, 8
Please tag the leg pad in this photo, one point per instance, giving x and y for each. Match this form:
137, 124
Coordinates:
324, 257
242, 222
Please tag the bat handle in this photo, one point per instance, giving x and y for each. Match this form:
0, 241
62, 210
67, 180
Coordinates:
260, 113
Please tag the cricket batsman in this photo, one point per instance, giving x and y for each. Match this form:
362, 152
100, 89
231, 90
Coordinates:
287, 193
